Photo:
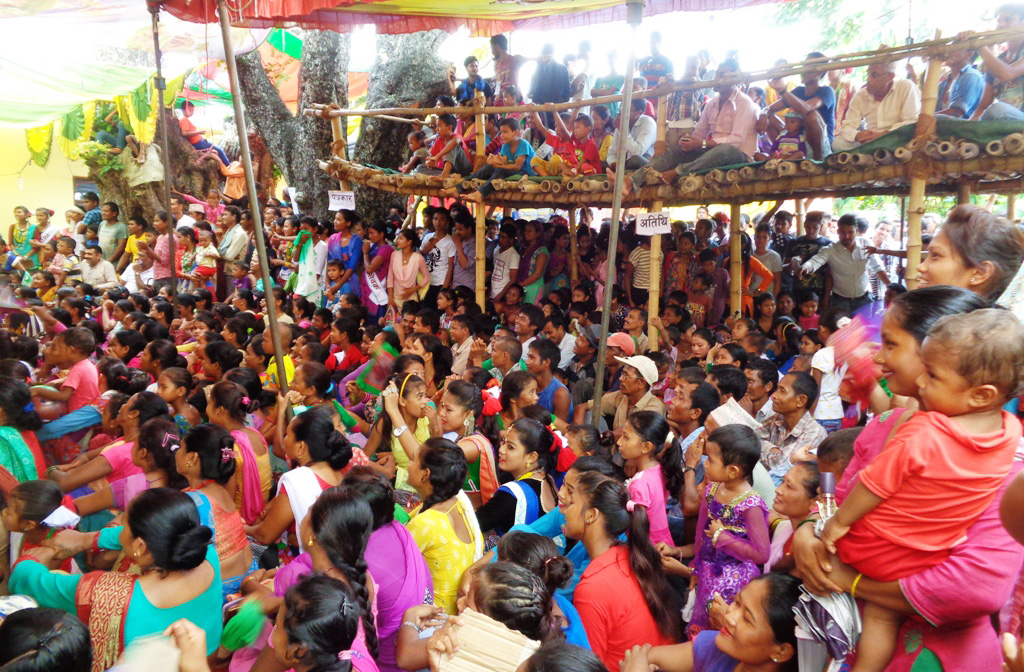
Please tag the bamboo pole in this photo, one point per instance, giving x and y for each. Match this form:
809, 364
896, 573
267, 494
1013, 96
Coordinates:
1011, 207
735, 261
654, 295
250, 184
924, 130
799, 216
963, 193
160, 84
574, 249
481, 221
932, 49
634, 13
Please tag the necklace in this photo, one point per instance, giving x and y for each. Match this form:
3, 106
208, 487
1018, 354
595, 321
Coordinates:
201, 485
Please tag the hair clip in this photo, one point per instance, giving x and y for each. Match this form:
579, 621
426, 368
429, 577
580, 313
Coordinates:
245, 400
227, 453
29, 407
630, 505
169, 438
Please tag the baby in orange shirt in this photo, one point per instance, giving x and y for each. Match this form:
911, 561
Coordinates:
941, 469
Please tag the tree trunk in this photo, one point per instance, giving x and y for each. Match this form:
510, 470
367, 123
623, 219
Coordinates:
297, 143
407, 73
192, 173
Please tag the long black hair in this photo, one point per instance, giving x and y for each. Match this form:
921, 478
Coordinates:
447, 465
562, 656
342, 522
224, 355
322, 616
610, 498
919, 309
131, 339
538, 554
376, 489
216, 450
471, 398
406, 384
233, 398
324, 442
168, 521
441, 356
16, 403
159, 437
538, 438
149, 405
653, 427
42, 639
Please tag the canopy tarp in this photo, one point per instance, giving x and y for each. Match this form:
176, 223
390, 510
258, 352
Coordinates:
481, 17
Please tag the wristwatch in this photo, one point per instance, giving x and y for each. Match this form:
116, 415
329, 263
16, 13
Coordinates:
686, 469
398, 431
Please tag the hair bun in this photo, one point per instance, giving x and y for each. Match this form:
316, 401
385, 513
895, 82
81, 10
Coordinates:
188, 548
339, 450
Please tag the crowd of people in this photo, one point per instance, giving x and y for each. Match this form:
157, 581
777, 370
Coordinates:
723, 124
410, 462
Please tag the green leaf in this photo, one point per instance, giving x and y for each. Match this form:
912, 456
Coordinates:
141, 102
73, 125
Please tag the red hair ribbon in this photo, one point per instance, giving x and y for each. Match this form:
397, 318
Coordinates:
566, 457
492, 405
68, 502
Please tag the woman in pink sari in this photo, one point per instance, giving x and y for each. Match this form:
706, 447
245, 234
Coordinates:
227, 406
951, 602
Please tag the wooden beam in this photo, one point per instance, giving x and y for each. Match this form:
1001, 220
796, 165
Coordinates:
574, 251
919, 168
1011, 207
963, 193
654, 295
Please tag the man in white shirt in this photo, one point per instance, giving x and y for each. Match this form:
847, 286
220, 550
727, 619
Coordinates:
884, 104
96, 270
506, 263
724, 135
461, 331
850, 264
640, 137
554, 331
178, 212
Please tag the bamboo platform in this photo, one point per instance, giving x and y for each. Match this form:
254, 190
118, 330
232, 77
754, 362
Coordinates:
996, 167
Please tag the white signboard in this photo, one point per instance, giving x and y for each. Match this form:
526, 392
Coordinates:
653, 223
292, 193
341, 200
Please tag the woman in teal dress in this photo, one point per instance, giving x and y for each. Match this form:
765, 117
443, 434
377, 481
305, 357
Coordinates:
19, 239
557, 272
533, 263
180, 576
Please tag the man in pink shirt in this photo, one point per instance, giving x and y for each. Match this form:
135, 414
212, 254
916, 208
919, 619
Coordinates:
724, 135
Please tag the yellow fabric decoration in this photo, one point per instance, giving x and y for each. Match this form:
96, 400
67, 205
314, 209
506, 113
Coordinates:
40, 142
75, 128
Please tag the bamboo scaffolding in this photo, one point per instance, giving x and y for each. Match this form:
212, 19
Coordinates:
735, 261
920, 168
931, 49
574, 249
654, 286
481, 220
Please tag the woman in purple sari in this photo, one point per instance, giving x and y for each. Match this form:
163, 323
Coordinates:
394, 560
951, 603
347, 247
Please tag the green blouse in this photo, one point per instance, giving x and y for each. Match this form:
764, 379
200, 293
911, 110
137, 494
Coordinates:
57, 590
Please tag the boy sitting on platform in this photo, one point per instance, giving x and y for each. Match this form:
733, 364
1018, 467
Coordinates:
448, 153
790, 145
513, 159
574, 153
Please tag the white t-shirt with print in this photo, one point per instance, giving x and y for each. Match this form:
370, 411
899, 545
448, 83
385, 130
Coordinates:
504, 262
439, 258
829, 407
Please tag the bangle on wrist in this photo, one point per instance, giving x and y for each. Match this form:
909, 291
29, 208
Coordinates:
714, 539
412, 625
853, 588
805, 520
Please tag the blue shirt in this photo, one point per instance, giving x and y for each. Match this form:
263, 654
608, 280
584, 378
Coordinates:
965, 91
827, 109
522, 148
468, 87
93, 219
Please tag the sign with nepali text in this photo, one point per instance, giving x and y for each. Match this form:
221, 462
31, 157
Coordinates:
653, 223
341, 200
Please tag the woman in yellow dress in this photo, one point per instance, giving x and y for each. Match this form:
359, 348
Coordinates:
444, 526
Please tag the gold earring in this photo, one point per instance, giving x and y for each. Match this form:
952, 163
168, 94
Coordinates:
309, 542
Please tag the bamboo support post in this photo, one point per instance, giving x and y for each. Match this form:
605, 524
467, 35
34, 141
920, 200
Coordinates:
963, 193
481, 221
574, 249
1014, 144
654, 287
735, 261
1011, 207
995, 148
799, 202
923, 131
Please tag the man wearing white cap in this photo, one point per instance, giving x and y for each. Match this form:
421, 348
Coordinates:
639, 373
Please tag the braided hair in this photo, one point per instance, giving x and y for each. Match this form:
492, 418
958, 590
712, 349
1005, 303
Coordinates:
342, 521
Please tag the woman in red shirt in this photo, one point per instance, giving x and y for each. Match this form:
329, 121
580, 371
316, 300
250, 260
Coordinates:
622, 597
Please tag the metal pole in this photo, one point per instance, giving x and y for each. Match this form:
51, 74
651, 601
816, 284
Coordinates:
635, 10
250, 184
160, 85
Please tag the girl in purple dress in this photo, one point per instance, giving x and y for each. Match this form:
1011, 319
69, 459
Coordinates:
733, 519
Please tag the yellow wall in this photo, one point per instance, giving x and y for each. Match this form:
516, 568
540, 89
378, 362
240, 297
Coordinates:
50, 187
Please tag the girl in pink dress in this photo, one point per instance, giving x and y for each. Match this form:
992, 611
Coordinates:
659, 472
